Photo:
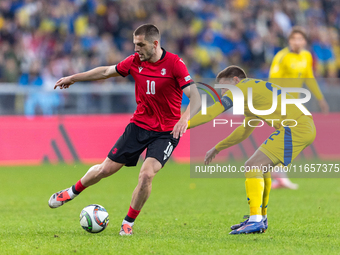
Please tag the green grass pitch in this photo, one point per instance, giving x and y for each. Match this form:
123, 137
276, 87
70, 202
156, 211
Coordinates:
182, 216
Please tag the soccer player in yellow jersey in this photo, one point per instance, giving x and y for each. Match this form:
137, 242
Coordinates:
294, 131
295, 62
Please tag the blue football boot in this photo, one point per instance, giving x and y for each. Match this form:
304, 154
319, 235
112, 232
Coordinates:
265, 222
233, 227
250, 227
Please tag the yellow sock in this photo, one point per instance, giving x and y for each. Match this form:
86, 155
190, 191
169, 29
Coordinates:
254, 189
267, 187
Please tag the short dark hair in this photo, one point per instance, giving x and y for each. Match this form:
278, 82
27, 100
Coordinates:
298, 30
150, 31
231, 72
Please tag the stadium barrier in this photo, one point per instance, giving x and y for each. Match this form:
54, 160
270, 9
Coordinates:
101, 98
88, 139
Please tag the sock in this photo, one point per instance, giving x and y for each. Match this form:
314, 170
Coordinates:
254, 188
71, 193
267, 186
128, 222
131, 216
76, 189
255, 218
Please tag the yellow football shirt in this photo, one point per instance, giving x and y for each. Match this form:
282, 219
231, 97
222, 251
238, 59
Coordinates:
287, 64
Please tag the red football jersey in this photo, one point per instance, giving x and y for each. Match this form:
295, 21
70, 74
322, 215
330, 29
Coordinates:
158, 89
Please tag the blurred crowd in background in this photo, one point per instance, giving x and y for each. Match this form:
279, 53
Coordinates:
43, 40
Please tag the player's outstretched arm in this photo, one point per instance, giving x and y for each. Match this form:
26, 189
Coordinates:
99, 73
323, 106
212, 112
193, 107
237, 136
313, 85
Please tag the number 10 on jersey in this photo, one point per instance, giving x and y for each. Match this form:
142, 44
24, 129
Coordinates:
151, 87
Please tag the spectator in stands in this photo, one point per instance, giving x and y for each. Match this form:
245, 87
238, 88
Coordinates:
73, 35
324, 55
38, 100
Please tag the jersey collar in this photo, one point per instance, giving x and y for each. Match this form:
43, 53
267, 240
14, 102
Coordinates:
163, 54
291, 51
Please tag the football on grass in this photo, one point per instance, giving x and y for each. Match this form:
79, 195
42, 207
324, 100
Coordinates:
94, 218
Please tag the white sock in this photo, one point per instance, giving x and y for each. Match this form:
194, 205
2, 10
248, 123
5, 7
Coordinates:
127, 222
255, 218
71, 194
264, 217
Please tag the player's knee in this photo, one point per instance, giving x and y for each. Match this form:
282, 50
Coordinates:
145, 177
104, 171
252, 167
249, 163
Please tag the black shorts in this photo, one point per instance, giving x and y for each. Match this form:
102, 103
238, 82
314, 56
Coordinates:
135, 140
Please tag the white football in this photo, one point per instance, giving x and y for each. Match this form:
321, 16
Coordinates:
94, 218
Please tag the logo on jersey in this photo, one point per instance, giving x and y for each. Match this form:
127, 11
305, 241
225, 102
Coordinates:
163, 72
188, 78
140, 68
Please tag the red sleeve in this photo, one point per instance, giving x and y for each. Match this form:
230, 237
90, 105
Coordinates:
181, 74
123, 67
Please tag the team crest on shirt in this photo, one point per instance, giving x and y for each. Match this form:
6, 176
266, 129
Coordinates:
140, 68
163, 72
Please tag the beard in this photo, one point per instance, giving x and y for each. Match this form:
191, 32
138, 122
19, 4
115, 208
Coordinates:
145, 56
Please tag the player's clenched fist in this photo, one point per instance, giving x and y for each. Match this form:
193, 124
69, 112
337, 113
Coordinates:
64, 83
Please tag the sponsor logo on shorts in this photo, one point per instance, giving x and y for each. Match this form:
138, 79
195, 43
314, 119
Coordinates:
168, 151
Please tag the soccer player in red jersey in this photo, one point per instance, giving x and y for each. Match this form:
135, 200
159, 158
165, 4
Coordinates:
157, 124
